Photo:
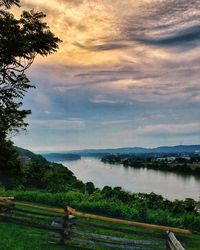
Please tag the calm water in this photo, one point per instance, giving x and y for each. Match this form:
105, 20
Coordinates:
169, 185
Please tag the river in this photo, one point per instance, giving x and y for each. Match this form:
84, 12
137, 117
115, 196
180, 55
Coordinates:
169, 185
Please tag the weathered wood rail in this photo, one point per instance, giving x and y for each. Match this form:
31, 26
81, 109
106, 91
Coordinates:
124, 222
65, 228
173, 243
10, 198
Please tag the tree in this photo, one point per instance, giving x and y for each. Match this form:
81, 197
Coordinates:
8, 3
10, 166
21, 40
90, 188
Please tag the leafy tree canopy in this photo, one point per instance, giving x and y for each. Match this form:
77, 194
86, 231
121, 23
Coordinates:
21, 40
8, 3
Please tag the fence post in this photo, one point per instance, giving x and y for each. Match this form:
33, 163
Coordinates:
6, 204
64, 227
173, 243
61, 223
68, 226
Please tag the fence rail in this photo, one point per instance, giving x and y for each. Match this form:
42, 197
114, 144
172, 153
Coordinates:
65, 228
124, 222
173, 243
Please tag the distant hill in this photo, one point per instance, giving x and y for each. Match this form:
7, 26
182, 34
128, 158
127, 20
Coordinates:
50, 156
43, 174
61, 157
180, 149
76, 154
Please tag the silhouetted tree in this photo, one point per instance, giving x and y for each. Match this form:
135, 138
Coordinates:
8, 3
90, 188
21, 40
10, 166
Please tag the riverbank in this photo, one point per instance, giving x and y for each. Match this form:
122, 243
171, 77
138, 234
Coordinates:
181, 165
170, 185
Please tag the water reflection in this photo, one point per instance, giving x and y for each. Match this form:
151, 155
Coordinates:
170, 185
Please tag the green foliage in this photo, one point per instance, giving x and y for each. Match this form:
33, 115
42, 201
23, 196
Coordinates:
36, 173
180, 165
137, 208
20, 41
90, 188
24, 152
10, 166
53, 177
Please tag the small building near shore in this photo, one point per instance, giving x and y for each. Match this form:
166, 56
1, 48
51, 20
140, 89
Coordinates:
171, 158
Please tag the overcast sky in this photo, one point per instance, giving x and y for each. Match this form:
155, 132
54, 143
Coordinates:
126, 74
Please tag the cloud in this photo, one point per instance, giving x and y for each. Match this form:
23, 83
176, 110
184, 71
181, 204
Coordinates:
120, 63
165, 24
103, 99
55, 125
169, 130
103, 46
187, 38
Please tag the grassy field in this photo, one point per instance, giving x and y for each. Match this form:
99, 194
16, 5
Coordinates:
18, 237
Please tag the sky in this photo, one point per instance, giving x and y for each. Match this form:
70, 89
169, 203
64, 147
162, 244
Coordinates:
126, 74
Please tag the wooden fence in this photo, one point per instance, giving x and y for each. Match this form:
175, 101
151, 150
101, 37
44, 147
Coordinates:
173, 243
65, 227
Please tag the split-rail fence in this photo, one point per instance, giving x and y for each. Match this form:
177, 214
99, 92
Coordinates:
67, 227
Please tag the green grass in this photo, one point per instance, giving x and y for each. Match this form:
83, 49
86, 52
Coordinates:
18, 237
